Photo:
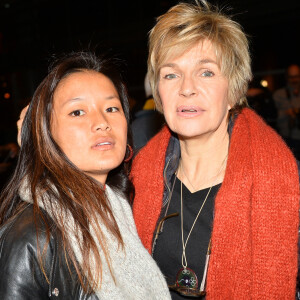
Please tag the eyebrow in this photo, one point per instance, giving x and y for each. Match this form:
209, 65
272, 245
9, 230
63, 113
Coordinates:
200, 62
207, 61
112, 97
78, 99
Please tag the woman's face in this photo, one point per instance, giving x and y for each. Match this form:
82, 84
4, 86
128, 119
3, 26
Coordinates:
88, 123
194, 92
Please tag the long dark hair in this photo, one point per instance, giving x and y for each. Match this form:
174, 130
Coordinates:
46, 168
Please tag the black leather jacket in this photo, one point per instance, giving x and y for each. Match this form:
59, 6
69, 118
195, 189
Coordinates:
20, 274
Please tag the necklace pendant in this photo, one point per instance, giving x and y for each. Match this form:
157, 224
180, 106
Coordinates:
186, 278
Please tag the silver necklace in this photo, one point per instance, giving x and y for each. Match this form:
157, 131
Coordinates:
184, 243
186, 278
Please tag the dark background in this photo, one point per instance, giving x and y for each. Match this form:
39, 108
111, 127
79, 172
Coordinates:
31, 31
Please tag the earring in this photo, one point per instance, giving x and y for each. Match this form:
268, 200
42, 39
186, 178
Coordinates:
130, 154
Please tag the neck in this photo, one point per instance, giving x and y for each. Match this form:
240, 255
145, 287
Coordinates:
101, 178
203, 160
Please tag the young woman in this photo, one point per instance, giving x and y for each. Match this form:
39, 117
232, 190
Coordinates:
67, 230
216, 179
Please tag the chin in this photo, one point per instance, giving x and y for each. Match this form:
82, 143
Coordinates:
110, 166
189, 136
189, 132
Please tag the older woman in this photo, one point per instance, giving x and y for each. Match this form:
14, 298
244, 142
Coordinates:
216, 182
67, 230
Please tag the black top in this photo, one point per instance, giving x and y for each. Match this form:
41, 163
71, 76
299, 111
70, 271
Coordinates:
168, 249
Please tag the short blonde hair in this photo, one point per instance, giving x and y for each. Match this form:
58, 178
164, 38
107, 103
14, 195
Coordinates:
186, 24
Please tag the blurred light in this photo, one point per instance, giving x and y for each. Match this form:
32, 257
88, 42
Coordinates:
4, 84
6, 5
264, 83
6, 95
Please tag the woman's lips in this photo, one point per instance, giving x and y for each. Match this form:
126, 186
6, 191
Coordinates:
189, 111
103, 144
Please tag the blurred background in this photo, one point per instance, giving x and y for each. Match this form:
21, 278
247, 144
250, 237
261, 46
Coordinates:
31, 31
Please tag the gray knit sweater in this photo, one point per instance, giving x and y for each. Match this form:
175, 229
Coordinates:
136, 274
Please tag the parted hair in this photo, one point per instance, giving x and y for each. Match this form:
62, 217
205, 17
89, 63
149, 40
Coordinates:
182, 27
47, 169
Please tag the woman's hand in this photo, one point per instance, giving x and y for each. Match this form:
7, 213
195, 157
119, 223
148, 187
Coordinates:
20, 122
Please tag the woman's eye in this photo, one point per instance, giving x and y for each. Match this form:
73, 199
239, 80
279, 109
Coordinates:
207, 74
77, 113
170, 76
112, 109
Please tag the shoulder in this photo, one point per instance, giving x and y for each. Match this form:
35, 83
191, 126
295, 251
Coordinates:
19, 260
154, 148
298, 166
21, 230
21, 274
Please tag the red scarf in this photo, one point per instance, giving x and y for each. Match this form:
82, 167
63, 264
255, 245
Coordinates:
255, 229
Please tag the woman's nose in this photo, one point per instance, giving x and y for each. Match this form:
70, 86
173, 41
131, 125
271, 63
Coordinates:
187, 88
100, 122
